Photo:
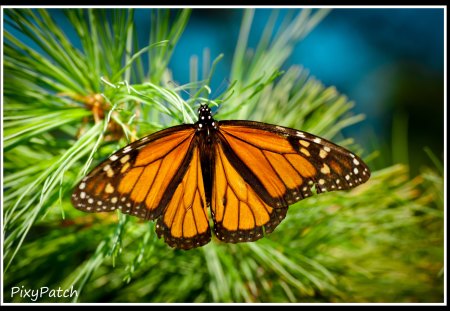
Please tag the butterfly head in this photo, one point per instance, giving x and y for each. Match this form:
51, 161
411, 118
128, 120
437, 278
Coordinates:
205, 119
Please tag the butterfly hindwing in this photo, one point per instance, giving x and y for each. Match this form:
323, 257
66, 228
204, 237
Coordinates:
184, 223
239, 214
140, 178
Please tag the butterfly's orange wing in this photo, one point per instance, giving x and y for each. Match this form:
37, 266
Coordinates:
184, 224
253, 171
156, 177
141, 178
261, 169
239, 213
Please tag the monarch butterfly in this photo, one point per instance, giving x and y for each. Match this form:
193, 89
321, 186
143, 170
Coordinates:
246, 172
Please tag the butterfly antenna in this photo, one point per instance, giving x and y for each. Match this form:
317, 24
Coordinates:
178, 87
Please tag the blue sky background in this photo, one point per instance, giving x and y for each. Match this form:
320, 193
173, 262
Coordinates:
389, 61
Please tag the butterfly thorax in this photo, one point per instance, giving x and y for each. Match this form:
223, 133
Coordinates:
206, 123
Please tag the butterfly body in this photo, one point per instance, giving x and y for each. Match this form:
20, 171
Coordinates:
246, 173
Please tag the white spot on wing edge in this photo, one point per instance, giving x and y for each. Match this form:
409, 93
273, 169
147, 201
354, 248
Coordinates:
305, 152
304, 143
125, 159
82, 186
325, 169
127, 149
323, 154
317, 140
113, 157
109, 188
110, 173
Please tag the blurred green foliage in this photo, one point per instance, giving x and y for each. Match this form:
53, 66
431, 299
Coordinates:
381, 242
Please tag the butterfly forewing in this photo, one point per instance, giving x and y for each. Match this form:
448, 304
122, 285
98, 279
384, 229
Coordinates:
140, 178
284, 165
